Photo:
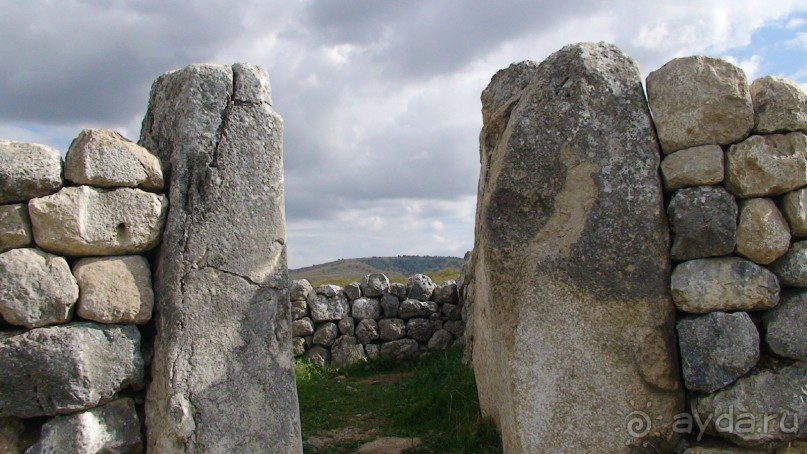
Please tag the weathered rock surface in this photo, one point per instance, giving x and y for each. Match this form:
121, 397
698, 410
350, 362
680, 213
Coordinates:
104, 158
723, 284
11, 431
440, 340
399, 349
391, 329
366, 308
300, 289
763, 234
329, 309
398, 289
113, 427
28, 170
347, 326
451, 311
373, 351
791, 268
570, 267
367, 331
115, 289
330, 291
784, 326
346, 352
63, 369
716, 349
374, 285
326, 334
299, 309
297, 346
759, 410
794, 207
223, 376
457, 328
416, 308
699, 101
36, 288
446, 293
703, 220
764, 166
419, 287
696, 166
389, 305
780, 105
15, 227
353, 291
419, 329
318, 355
302, 327
82, 221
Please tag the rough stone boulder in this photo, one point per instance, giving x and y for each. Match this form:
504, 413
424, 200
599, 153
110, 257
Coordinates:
115, 289
780, 105
398, 289
703, 220
416, 308
346, 351
391, 329
419, 287
297, 346
764, 166
784, 326
440, 340
325, 334
302, 327
113, 427
399, 349
716, 349
318, 355
794, 207
723, 284
69, 368
353, 291
85, 221
347, 326
389, 305
446, 293
299, 309
104, 158
365, 308
763, 234
223, 375
36, 288
419, 329
366, 331
696, 166
791, 268
328, 309
28, 170
762, 410
570, 269
699, 101
374, 285
15, 227
300, 289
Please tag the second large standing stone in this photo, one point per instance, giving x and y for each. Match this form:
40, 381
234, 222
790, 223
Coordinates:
572, 319
223, 376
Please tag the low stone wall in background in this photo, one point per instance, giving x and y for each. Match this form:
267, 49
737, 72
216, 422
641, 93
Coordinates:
75, 290
374, 319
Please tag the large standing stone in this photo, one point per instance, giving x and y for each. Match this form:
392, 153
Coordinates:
80, 221
104, 158
785, 325
223, 375
374, 285
716, 349
704, 222
780, 105
791, 268
113, 427
763, 166
696, 166
570, 267
699, 101
115, 289
761, 410
366, 308
28, 170
763, 234
794, 207
63, 369
723, 284
15, 227
36, 288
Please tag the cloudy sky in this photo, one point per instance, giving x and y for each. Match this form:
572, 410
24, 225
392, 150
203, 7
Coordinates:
380, 98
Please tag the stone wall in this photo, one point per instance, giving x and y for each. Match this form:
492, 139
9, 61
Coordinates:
76, 292
374, 319
637, 283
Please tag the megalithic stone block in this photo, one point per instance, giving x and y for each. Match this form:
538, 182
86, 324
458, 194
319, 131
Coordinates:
223, 374
571, 317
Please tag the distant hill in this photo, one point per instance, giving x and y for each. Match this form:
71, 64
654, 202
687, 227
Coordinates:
397, 269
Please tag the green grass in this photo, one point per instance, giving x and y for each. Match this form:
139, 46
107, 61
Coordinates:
434, 399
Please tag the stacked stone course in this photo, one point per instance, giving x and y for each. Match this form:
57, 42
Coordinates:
75, 290
374, 319
734, 171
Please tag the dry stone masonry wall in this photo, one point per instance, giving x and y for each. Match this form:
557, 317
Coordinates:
75, 292
374, 319
611, 244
